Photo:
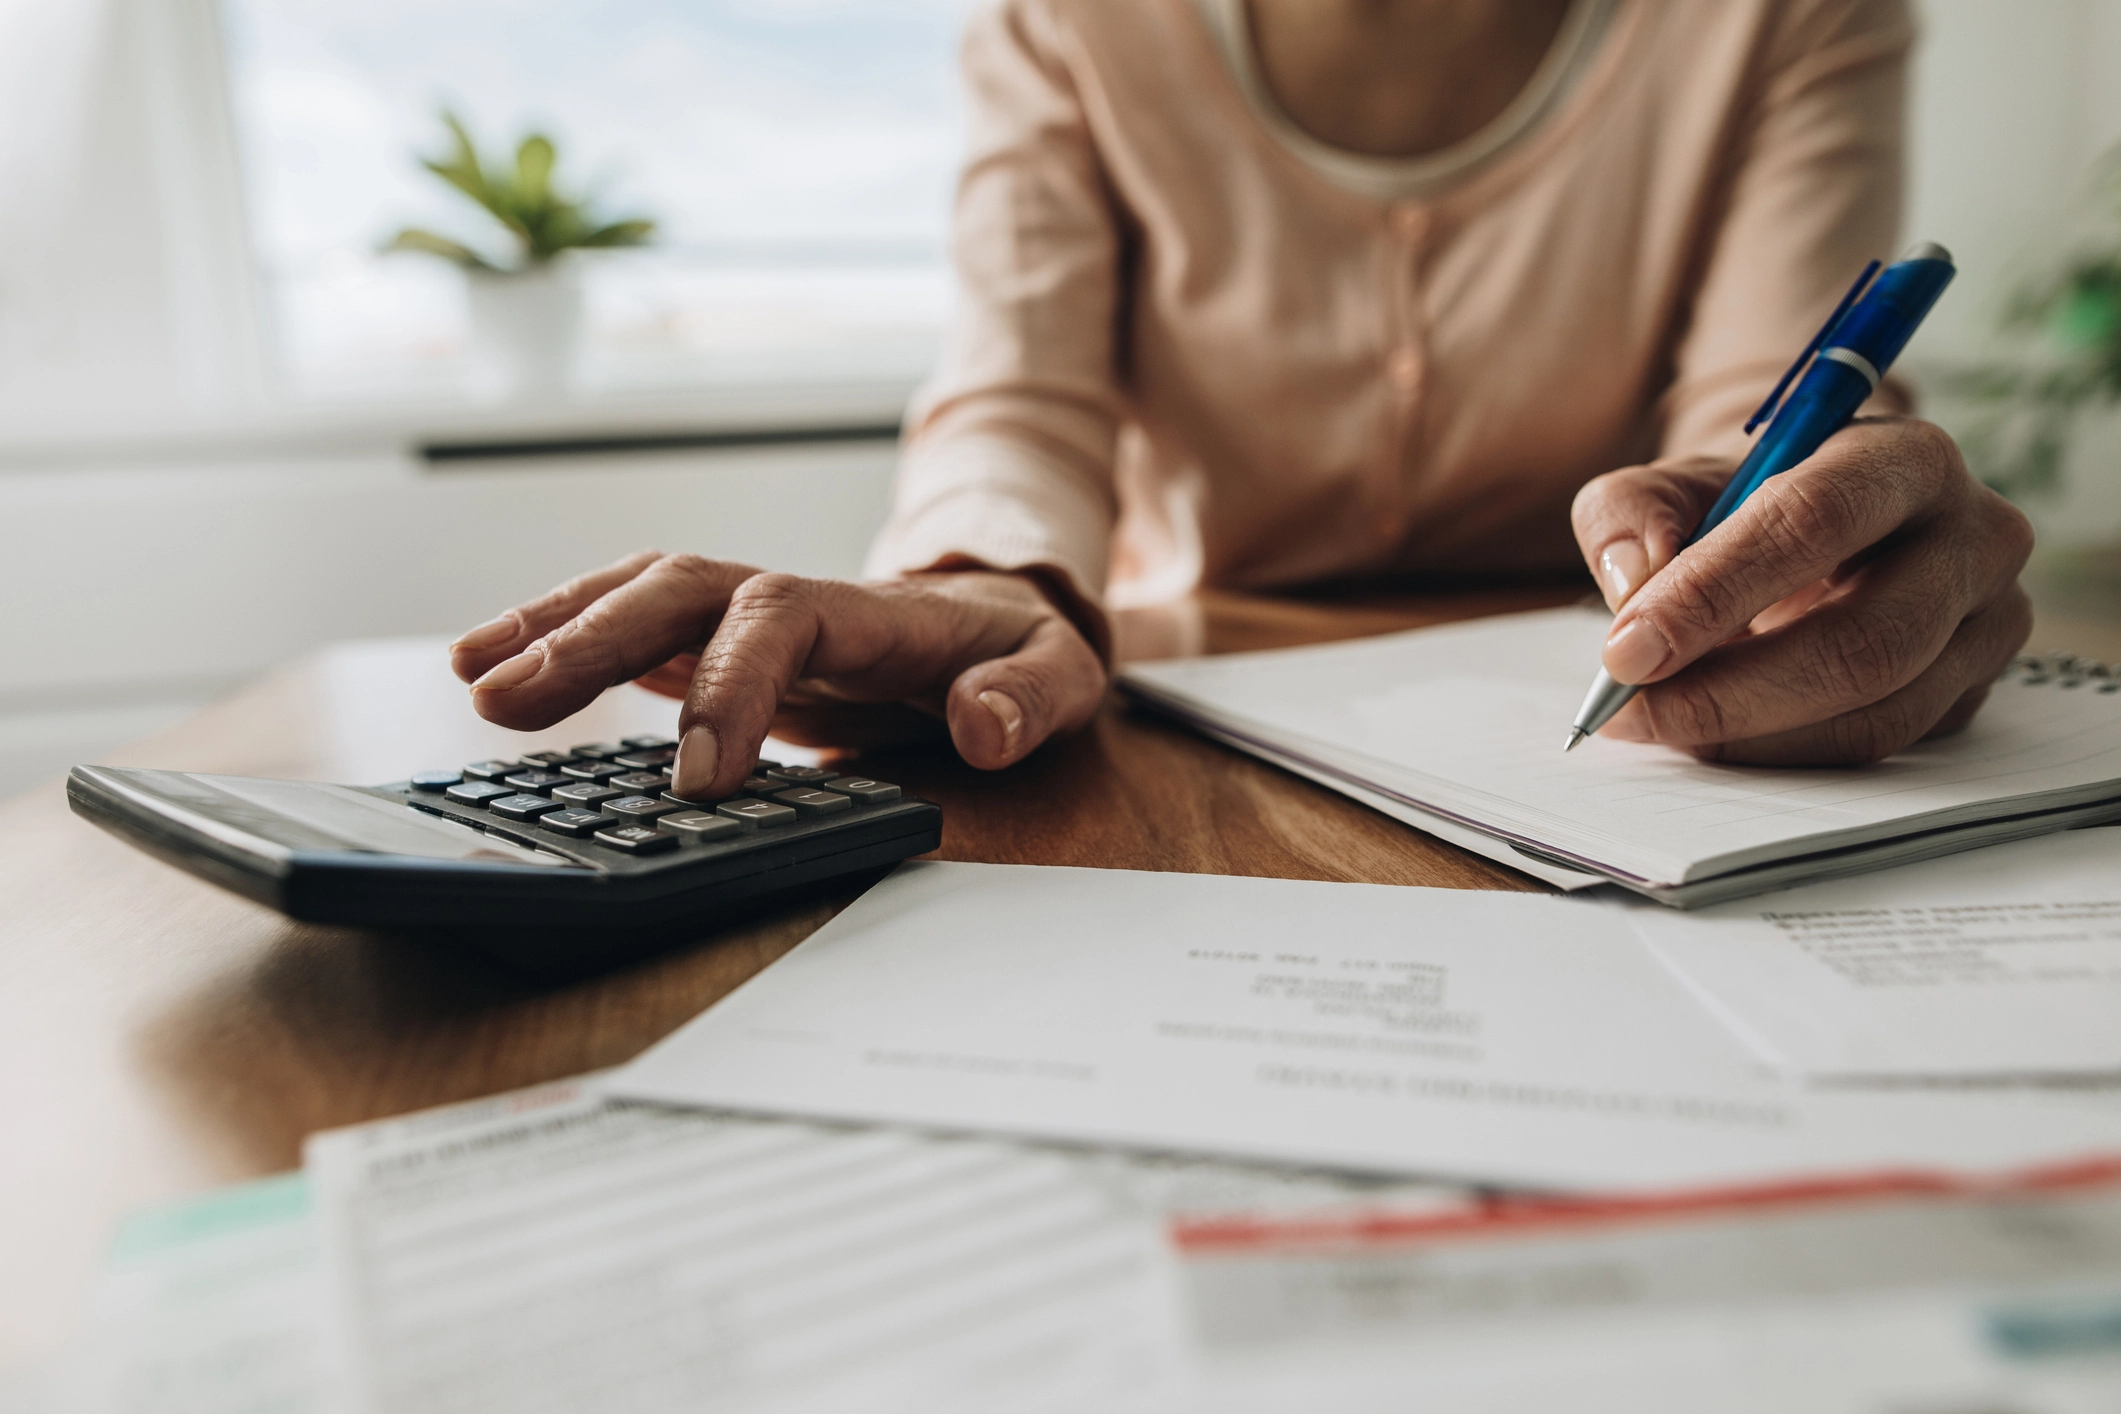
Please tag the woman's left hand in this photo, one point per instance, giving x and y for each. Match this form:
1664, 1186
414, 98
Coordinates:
1857, 603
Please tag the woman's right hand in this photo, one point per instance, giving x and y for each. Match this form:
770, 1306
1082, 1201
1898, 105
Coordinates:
749, 652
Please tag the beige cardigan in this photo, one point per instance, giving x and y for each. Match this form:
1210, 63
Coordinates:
1183, 356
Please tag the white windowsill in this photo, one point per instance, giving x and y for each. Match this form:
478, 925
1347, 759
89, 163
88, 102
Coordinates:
403, 424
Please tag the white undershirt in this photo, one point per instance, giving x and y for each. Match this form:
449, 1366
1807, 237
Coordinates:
1397, 178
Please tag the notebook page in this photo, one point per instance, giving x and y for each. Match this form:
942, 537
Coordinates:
1470, 718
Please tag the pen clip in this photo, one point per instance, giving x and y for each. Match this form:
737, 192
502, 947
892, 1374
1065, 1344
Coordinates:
1826, 331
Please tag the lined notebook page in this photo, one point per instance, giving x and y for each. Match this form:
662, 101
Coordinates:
1470, 718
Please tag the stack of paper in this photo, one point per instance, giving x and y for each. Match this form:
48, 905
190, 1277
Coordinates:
549, 1252
1464, 724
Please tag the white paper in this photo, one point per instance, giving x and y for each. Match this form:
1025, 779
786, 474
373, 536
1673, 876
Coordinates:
2006, 961
550, 1251
1469, 719
1484, 1037
208, 1306
1857, 1302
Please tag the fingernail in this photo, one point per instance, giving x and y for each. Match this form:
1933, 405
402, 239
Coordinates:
488, 635
1005, 711
1636, 651
514, 672
698, 755
1623, 566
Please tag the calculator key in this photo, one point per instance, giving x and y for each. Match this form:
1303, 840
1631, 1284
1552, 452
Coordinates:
491, 770
675, 799
645, 760
577, 824
757, 814
592, 770
534, 782
801, 775
868, 792
636, 839
435, 780
815, 802
584, 793
761, 766
642, 782
761, 786
521, 807
647, 743
548, 760
477, 792
598, 751
637, 807
699, 826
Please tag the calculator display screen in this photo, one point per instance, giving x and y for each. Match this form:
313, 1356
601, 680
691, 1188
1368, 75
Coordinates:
309, 815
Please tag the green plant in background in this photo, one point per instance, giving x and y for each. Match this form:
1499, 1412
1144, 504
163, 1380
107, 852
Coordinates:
541, 221
2021, 411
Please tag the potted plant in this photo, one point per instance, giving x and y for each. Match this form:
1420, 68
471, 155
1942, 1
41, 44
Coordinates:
526, 305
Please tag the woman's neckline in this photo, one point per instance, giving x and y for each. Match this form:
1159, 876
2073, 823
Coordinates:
1575, 44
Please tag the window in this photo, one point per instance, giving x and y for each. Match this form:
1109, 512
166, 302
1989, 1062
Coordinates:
797, 154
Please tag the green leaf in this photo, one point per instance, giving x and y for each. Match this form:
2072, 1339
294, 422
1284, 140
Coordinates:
461, 168
534, 160
639, 231
428, 243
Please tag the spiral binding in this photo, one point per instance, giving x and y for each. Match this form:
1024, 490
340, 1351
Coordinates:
2063, 670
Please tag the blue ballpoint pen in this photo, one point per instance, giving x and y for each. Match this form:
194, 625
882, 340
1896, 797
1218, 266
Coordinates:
1854, 348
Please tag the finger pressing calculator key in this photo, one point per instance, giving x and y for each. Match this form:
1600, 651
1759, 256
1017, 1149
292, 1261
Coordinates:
523, 858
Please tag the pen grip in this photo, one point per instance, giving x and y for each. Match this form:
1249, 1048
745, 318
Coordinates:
1822, 404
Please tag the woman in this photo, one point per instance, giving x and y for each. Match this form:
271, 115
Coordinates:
1258, 292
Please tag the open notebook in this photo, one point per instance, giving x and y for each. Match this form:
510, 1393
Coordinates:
1464, 723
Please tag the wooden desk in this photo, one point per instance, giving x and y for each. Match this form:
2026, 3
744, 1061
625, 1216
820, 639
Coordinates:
160, 1037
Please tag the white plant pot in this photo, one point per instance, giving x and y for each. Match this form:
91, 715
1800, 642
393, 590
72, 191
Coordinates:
526, 328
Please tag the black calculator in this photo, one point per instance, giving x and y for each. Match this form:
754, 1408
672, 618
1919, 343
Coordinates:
545, 858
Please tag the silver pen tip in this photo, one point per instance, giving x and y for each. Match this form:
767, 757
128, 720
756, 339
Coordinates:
1576, 734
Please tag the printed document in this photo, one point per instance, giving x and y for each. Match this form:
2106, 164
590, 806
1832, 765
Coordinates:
552, 1251
1863, 1300
2002, 962
1485, 1037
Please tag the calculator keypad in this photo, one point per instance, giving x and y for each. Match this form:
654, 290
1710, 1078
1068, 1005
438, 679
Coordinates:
757, 814
700, 825
521, 807
636, 839
638, 807
619, 797
582, 794
863, 789
599, 771
815, 802
576, 824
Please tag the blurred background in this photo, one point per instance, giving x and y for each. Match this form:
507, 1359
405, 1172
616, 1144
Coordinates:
232, 426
